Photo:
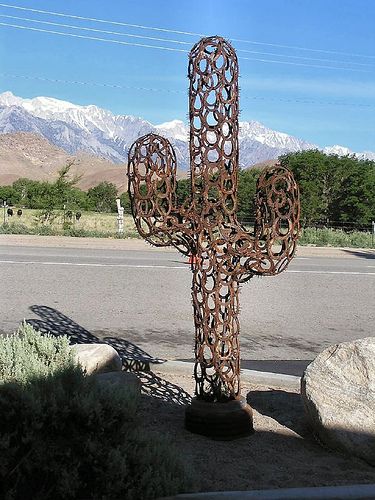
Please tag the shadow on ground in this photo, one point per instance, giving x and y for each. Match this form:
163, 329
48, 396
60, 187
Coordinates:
284, 407
281, 453
366, 254
133, 357
294, 367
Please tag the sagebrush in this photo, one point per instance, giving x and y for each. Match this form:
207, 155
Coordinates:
64, 436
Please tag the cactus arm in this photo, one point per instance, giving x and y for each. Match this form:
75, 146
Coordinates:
272, 246
152, 192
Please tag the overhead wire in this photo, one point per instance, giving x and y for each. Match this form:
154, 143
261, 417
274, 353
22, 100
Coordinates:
181, 42
175, 91
96, 84
173, 49
108, 40
84, 28
180, 32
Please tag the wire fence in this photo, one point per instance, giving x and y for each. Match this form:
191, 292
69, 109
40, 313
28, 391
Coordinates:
346, 226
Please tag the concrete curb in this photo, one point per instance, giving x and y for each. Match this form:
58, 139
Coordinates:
355, 491
251, 376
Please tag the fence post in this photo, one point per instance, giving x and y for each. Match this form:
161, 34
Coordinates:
120, 217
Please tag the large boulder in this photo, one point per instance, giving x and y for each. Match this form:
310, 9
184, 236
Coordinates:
338, 392
97, 358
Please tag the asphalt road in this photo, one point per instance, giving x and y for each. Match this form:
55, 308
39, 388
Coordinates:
142, 297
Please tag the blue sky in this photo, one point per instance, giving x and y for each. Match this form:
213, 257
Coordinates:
324, 105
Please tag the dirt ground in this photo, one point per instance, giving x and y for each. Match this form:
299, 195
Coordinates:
282, 453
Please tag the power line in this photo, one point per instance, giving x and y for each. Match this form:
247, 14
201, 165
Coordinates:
131, 35
172, 49
179, 32
153, 89
319, 66
334, 61
95, 84
108, 40
309, 101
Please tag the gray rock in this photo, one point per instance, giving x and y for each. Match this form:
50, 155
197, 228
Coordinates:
125, 379
97, 358
338, 392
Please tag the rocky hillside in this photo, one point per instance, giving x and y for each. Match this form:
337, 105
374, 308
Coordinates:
27, 154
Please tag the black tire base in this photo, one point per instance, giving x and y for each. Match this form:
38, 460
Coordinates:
221, 421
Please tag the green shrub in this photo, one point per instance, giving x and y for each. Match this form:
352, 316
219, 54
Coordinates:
15, 228
335, 238
27, 355
63, 436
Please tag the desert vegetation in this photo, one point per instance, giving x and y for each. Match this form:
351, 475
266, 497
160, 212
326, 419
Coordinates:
65, 436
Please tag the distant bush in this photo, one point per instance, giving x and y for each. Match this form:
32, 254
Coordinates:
335, 238
70, 230
63, 436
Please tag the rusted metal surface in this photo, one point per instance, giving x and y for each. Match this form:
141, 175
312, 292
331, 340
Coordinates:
207, 226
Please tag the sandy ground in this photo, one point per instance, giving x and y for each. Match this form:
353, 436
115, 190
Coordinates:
282, 453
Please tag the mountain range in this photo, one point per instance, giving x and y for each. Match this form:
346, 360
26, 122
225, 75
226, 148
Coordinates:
98, 132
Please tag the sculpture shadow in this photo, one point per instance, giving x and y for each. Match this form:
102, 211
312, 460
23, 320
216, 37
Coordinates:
284, 407
56, 323
365, 254
133, 357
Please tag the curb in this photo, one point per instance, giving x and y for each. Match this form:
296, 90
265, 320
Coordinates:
355, 491
279, 380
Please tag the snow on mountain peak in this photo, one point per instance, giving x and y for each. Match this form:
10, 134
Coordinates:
175, 129
337, 150
258, 132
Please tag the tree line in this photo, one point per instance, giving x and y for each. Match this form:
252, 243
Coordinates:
62, 193
333, 188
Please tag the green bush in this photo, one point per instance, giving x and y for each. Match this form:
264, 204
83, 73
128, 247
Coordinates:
63, 436
335, 238
27, 355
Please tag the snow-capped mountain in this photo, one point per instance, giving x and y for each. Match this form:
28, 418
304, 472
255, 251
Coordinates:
258, 132
176, 129
337, 150
102, 133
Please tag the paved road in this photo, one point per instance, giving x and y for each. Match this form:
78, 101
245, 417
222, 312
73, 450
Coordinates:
142, 296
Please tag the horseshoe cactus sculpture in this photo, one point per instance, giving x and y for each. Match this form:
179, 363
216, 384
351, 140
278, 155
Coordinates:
206, 226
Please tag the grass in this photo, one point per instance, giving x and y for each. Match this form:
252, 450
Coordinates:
93, 224
322, 237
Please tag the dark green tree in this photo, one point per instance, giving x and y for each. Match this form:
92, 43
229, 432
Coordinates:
7, 194
102, 198
125, 202
182, 191
247, 180
333, 188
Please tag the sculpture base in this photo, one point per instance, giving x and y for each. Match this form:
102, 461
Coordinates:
222, 421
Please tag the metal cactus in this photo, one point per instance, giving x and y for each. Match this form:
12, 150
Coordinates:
207, 227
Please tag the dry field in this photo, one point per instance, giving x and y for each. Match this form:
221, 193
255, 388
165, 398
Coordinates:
100, 223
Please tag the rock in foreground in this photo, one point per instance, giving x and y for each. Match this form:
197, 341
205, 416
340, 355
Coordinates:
97, 358
338, 391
